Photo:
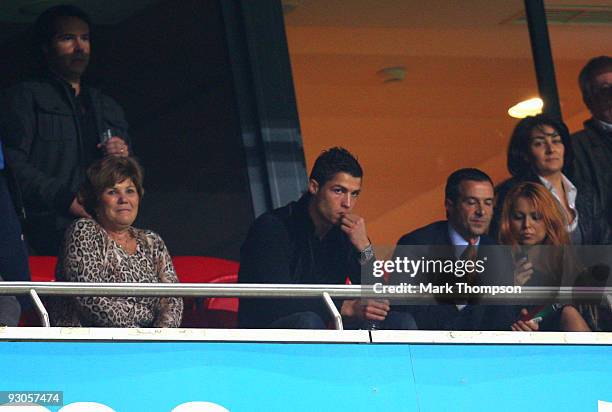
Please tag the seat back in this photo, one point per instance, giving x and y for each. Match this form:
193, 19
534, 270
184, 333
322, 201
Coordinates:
42, 268
208, 312
228, 304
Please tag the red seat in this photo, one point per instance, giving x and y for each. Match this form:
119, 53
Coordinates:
211, 312
42, 268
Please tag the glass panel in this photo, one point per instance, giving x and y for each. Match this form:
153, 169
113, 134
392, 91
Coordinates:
456, 68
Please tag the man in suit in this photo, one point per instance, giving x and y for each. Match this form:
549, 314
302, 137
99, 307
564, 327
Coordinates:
469, 208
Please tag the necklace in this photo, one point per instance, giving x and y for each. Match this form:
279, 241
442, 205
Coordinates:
123, 241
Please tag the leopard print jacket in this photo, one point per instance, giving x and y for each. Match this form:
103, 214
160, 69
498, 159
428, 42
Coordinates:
90, 255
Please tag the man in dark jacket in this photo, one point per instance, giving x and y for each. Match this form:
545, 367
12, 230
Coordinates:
316, 240
593, 145
56, 126
13, 256
469, 209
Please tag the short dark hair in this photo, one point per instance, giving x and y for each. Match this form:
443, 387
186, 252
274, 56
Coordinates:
105, 173
451, 191
593, 67
45, 26
332, 161
520, 162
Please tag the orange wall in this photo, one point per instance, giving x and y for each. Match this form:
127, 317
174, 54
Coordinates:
449, 112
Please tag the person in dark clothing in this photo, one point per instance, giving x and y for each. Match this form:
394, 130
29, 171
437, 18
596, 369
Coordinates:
10, 311
593, 145
316, 240
540, 152
54, 128
13, 256
469, 209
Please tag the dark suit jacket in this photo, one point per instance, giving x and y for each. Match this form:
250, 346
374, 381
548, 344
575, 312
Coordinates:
592, 149
434, 242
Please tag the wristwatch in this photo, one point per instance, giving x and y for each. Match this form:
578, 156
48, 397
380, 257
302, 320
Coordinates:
366, 255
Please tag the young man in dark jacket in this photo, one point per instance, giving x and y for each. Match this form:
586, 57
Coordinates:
316, 240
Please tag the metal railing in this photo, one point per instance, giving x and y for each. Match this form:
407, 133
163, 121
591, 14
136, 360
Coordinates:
325, 292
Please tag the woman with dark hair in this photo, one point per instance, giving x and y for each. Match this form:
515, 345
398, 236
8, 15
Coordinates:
107, 248
535, 227
540, 151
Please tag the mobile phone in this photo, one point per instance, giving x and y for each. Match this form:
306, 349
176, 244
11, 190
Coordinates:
520, 254
106, 135
539, 313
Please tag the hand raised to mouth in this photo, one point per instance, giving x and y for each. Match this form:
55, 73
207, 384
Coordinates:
355, 228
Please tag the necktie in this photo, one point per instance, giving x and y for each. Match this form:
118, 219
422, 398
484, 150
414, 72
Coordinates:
470, 254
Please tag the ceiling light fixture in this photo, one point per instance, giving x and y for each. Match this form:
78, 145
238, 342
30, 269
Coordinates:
526, 108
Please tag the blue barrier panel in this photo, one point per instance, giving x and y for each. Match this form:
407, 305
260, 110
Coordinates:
159, 376
512, 378
238, 376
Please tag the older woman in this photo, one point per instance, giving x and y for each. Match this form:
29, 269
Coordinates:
106, 248
540, 151
533, 224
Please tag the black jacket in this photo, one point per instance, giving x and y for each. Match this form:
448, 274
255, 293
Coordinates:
591, 223
592, 166
44, 144
281, 247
